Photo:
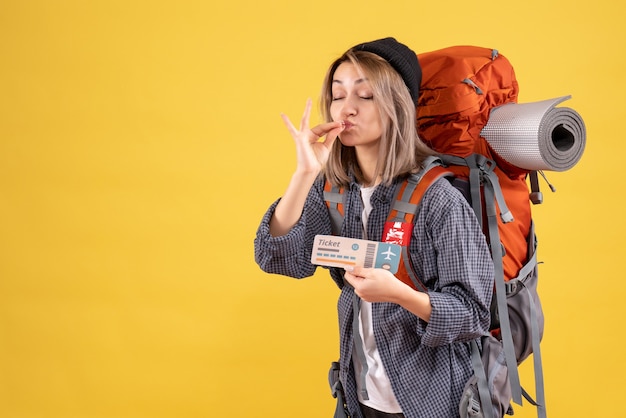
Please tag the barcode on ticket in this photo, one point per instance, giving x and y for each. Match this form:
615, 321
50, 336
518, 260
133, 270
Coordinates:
370, 255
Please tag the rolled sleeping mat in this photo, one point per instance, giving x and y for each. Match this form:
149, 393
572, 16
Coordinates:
537, 135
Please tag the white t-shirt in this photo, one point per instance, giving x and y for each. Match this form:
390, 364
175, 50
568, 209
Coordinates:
381, 396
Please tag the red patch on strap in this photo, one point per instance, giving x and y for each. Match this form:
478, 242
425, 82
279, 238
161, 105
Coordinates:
397, 233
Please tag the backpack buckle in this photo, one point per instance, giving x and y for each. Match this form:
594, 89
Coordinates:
512, 287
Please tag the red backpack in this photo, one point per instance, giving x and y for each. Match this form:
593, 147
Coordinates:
460, 86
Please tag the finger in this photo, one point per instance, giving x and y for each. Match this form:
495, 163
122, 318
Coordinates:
304, 123
351, 279
361, 271
328, 128
289, 125
331, 137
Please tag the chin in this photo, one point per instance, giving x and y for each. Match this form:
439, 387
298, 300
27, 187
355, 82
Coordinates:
348, 140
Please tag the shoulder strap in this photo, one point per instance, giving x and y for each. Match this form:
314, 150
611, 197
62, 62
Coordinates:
404, 209
335, 201
410, 192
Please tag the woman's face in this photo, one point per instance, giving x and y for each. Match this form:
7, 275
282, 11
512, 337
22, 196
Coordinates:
352, 102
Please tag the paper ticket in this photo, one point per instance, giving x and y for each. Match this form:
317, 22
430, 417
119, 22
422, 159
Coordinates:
332, 251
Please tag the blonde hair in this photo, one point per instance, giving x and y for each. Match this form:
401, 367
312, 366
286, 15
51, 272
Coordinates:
401, 151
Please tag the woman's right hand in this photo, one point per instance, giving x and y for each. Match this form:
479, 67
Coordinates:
311, 153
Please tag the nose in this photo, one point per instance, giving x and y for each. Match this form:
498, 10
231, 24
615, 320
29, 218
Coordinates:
349, 106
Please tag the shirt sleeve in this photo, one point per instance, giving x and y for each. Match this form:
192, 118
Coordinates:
461, 267
290, 254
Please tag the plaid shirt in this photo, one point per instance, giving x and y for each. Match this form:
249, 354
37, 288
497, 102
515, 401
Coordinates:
428, 363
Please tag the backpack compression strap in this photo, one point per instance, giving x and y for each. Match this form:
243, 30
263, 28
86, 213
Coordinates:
514, 286
500, 295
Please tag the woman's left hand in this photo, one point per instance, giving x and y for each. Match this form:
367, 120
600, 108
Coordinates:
379, 285
375, 284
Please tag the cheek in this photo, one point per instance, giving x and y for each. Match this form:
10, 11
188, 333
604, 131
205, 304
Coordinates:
334, 112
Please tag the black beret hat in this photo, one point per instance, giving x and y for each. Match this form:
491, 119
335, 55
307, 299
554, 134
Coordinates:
401, 58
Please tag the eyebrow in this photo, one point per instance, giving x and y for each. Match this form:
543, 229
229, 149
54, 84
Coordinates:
360, 80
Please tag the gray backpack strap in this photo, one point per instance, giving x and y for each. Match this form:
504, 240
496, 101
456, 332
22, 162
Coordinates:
500, 295
335, 197
535, 195
525, 279
428, 163
474, 181
490, 178
336, 390
539, 385
483, 385
402, 203
481, 172
358, 344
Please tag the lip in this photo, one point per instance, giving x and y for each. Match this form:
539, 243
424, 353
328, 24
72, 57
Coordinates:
347, 124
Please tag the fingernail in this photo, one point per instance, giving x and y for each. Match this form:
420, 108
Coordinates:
349, 268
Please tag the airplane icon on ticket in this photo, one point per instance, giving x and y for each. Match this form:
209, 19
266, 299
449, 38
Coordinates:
389, 254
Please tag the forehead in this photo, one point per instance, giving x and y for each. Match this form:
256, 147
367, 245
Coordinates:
348, 72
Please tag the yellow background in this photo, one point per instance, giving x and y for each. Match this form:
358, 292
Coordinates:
140, 143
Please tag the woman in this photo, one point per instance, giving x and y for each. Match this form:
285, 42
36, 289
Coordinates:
410, 354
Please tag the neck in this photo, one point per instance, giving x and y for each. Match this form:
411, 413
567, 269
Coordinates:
368, 160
